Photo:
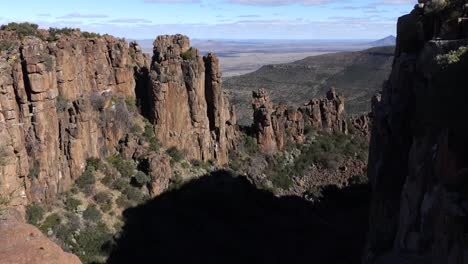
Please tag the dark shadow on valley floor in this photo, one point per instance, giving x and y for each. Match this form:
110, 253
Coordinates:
225, 219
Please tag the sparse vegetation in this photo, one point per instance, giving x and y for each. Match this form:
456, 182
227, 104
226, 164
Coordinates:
175, 154
34, 214
88, 35
61, 104
55, 33
451, 57
6, 44
188, 55
92, 214
50, 223
22, 29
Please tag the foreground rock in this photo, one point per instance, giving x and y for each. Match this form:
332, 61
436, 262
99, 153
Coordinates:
418, 156
21, 243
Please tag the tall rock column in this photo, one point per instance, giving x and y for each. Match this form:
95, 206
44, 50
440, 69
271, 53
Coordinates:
188, 107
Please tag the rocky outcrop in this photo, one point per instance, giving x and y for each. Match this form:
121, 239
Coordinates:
418, 158
21, 243
61, 102
187, 105
275, 125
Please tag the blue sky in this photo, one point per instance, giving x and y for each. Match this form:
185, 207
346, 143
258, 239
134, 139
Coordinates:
217, 19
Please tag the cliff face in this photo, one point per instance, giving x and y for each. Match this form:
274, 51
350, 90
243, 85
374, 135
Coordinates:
56, 109
188, 107
67, 99
274, 125
418, 159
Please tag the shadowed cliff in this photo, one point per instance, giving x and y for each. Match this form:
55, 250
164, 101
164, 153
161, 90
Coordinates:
225, 219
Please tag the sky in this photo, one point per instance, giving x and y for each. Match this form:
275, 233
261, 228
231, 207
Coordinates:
216, 19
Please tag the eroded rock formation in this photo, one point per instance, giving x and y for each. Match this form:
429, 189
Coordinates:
21, 243
275, 125
188, 107
57, 109
418, 159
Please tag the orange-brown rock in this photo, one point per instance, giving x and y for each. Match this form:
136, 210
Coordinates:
21, 243
187, 105
274, 126
58, 108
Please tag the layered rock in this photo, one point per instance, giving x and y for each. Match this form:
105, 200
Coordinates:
187, 105
275, 125
21, 243
418, 159
58, 107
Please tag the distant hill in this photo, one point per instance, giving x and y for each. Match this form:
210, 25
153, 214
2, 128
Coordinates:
388, 41
356, 75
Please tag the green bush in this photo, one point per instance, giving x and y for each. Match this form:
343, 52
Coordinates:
34, 214
71, 203
92, 214
175, 154
94, 164
50, 223
121, 184
250, 144
91, 243
133, 194
126, 168
107, 181
315, 193
6, 44
123, 202
141, 179
102, 198
86, 179
188, 55
359, 180
86, 34
54, 33
22, 29
281, 180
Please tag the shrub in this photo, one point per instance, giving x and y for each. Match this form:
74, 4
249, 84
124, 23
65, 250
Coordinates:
33, 172
126, 168
34, 214
92, 214
188, 55
281, 180
175, 154
91, 243
131, 104
50, 223
154, 144
94, 164
22, 29
107, 181
141, 179
106, 207
133, 194
102, 198
122, 202
315, 193
86, 34
175, 182
6, 44
149, 130
61, 104
452, 56
250, 144
86, 179
54, 33
359, 180
136, 129
120, 184
71, 203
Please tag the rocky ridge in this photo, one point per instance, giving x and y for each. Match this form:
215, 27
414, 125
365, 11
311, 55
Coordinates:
275, 125
418, 159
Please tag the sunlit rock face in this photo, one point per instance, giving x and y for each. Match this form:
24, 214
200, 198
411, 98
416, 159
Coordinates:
418, 155
188, 106
57, 109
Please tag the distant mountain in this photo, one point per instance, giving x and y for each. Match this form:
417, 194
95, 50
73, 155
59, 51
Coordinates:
388, 41
356, 75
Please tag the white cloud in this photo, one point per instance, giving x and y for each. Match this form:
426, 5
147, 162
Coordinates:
80, 15
280, 2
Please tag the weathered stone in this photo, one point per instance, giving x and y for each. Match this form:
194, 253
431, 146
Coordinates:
21, 243
187, 105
